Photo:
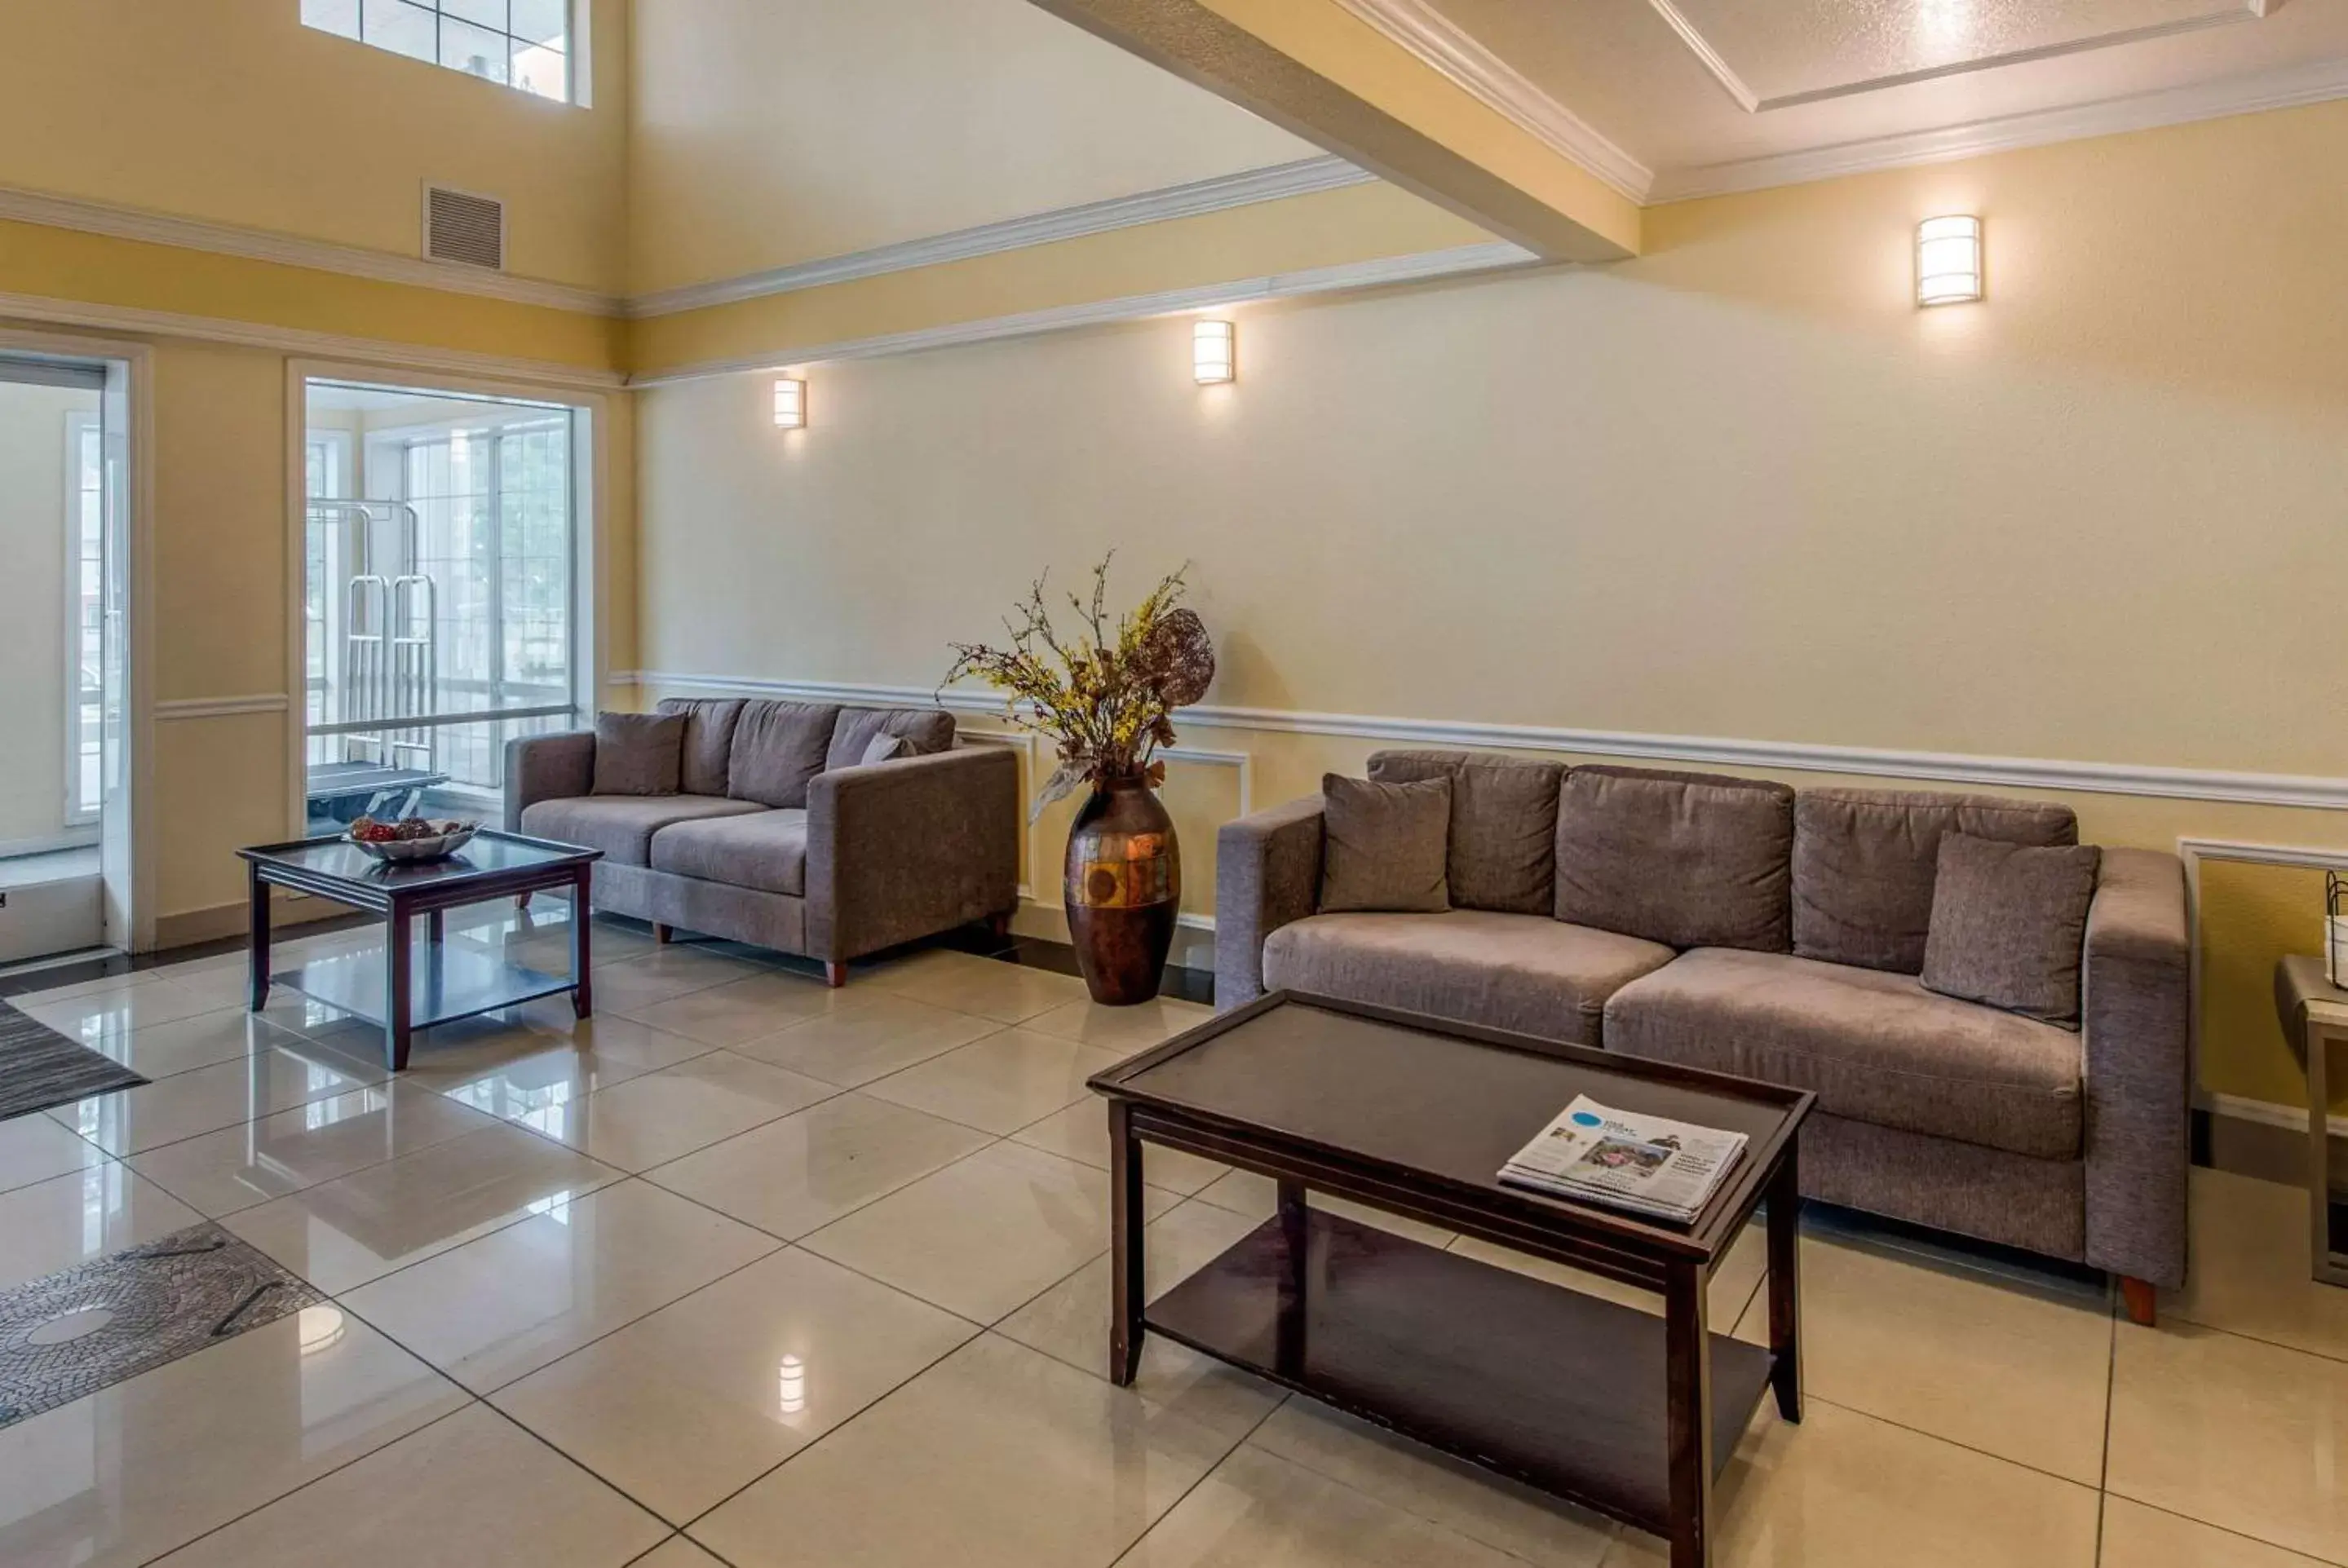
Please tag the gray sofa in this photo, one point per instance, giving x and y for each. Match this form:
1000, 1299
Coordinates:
778, 836
1781, 938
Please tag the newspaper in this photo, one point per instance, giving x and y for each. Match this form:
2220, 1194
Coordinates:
1647, 1164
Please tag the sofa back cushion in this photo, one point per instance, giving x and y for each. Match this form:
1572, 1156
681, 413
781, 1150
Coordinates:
1502, 853
1693, 860
2008, 924
777, 748
637, 753
1864, 864
1383, 845
708, 741
924, 730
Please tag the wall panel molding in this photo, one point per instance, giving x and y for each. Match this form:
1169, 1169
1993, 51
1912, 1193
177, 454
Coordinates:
2289, 87
1384, 272
292, 251
1303, 177
2310, 792
129, 318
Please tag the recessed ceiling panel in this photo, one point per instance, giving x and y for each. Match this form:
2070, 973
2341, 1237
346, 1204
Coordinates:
1798, 51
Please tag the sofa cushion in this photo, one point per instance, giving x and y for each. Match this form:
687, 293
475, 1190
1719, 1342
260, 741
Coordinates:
1864, 862
1523, 972
622, 825
925, 730
777, 748
708, 740
1383, 845
1696, 860
1503, 852
765, 850
2008, 923
1873, 1046
637, 753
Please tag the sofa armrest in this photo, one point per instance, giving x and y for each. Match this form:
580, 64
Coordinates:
1267, 873
547, 767
2137, 1019
910, 847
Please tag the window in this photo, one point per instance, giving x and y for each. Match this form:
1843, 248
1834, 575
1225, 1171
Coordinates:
327, 463
524, 44
85, 620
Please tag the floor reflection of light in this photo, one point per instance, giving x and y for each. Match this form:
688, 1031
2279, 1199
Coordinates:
793, 1385
555, 1206
321, 1326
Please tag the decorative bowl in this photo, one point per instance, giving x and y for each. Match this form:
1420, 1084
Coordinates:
449, 838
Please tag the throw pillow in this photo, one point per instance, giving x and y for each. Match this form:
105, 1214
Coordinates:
2008, 922
638, 753
1383, 845
1503, 825
925, 729
885, 749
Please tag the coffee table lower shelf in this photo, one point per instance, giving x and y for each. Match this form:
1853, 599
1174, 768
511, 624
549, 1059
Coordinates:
446, 982
1562, 1390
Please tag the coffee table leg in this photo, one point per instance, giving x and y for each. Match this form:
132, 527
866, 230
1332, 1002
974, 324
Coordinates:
1125, 1246
1296, 1240
257, 986
396, 986
583, 985
1786, 1286
1687, 1374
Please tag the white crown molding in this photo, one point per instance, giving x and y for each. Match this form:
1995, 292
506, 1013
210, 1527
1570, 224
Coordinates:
1384, 272
2286, 87
287, 249
1244, 189
1445, 47
300, 340
2314, 793
222, 707
1752, 102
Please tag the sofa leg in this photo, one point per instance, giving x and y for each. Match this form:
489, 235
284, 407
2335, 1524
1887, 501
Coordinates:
522, 902
835, 975
2138, 1296
664, 935
998, 925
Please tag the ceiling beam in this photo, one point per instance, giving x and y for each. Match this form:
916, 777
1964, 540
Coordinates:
1316, 67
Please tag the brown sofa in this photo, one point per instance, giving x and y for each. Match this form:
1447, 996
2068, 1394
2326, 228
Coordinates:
1780, 936
780, 836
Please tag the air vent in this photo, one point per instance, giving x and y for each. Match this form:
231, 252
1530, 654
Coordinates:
465, 228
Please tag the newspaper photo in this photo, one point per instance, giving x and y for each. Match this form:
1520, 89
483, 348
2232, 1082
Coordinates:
1645, 1163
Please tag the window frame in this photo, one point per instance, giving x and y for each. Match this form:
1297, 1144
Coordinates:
82, 429
575, 90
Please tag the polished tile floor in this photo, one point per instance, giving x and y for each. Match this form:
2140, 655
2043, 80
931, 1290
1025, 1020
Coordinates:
746, 1271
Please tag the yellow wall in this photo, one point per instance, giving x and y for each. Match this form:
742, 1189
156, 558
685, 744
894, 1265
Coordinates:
774, 131
230, 111
1738, 487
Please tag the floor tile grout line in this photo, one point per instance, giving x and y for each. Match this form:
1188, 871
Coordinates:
2225, 1530
469, 1401
1205, 1475
1812, 1396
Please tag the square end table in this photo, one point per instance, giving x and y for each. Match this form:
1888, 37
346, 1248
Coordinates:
411, 986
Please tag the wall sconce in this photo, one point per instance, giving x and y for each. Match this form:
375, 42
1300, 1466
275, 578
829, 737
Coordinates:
1213, 352
1948, 260
790, 404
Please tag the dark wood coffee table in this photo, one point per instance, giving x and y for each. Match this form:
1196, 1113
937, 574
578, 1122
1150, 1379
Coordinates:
1618, 1410
409, 987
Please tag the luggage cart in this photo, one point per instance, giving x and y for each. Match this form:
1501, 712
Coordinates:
390, 662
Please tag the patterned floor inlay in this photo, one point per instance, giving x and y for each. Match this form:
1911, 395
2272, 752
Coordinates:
92, 1326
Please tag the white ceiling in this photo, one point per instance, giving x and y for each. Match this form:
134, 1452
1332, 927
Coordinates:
1707, 95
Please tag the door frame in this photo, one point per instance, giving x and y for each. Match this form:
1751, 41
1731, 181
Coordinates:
594, 485
130, 917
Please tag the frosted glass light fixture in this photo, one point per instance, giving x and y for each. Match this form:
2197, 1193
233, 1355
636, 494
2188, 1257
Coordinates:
790, 404
1213, 352
1948, 260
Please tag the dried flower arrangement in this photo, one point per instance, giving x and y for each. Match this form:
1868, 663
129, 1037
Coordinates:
1106, 696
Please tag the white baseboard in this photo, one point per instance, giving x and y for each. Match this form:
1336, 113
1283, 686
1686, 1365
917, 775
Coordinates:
2266, 1113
